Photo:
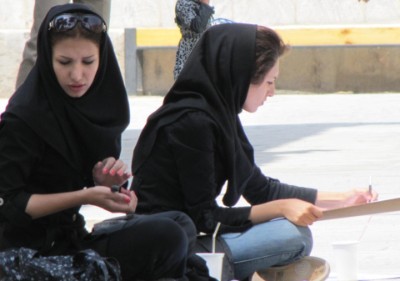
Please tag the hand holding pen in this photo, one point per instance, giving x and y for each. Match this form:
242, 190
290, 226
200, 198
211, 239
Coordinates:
360, 196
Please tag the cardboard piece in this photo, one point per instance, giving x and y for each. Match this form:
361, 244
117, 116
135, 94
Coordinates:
384, 206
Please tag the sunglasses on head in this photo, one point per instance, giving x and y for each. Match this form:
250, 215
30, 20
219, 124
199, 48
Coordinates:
90, 22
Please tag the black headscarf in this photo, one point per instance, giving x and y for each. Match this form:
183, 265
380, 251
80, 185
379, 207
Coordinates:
83, 130
215, 80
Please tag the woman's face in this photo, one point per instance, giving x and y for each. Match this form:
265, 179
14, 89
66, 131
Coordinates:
75, 62
258, 93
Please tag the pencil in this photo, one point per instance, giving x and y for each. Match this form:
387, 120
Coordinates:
370, 188
370, 185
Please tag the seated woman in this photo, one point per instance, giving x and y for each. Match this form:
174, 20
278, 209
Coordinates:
195, 143
60, 140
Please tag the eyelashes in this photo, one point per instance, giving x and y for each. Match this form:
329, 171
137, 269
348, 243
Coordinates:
89, 62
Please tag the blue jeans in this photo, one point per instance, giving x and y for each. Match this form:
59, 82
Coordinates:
273, 243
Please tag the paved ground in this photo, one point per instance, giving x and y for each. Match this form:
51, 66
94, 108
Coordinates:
331, 142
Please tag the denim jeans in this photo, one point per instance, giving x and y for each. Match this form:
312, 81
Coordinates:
273, 243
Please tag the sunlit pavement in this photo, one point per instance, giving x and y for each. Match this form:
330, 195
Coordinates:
332, 142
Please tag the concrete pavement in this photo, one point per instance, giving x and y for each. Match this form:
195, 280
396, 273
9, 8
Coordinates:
333, 142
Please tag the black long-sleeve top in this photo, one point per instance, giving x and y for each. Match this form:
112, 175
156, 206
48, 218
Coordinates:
50, 142
184, 171
29, 166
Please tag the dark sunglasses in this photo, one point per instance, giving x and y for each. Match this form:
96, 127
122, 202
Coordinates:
67, 22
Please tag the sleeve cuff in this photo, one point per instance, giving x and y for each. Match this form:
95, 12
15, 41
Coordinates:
13, 209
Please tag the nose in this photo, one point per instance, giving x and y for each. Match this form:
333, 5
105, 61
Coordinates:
271, 91
76, 73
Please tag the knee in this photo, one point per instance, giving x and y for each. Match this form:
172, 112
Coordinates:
186, 224
171, 236
184, 221
305, 240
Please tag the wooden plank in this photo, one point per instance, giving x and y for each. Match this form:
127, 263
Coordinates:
384, 206
307, 36
158, 37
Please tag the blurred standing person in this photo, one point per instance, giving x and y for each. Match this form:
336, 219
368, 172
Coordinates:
39, 12
193, 17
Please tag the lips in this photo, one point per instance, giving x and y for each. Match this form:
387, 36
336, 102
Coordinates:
76, 87
76, 90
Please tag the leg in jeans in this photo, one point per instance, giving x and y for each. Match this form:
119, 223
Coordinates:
278, 242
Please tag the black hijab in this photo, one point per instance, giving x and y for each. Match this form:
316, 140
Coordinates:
83, 130
215, 80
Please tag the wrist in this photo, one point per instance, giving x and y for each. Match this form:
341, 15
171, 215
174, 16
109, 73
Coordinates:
83, 196
331, 196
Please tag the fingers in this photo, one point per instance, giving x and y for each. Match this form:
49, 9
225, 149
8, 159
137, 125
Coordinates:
311, 215
317, 212
97, 167
122, 202
364, 196
126, 197
372, 196
125, 176
126, 192
134, 201
305, 213
109, 165
110, 171
114, 167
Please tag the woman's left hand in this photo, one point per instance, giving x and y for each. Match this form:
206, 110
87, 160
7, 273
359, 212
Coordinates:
333, 200
110, 172
124, 201
359, 196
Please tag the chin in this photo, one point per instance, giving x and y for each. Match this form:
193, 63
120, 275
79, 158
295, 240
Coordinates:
252, 110
75, 94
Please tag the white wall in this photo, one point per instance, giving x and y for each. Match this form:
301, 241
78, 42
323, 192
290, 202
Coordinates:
17, 14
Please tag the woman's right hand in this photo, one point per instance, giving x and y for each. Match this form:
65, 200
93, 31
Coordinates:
124, 201
300, 212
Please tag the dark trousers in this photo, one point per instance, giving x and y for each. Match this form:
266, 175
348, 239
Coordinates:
149, 247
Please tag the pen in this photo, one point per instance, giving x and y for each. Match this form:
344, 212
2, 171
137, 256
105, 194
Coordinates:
370, 187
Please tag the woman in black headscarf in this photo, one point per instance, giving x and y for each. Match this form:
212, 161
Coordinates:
195, 142
60, 140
